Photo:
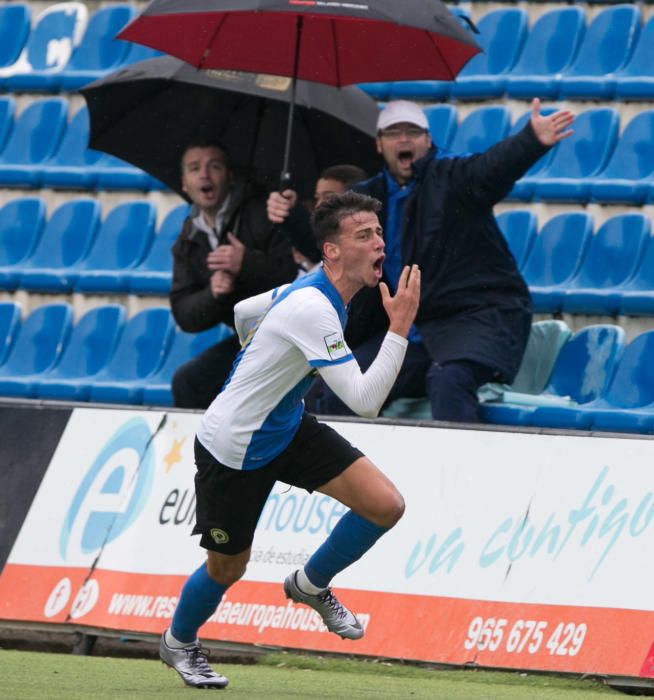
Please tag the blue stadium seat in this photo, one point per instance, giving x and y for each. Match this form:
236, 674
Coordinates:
154, 274
21, 224
629, 174
551, 46
555, 257
607, 47
613, 256
582, 372
442, 124
72, 165
523, 189
636, 80
637, 294
138, 52
87, 352
7, 111
124, 238
519, 228
38, 345
14, 28
65, 242
99, 52
35, 137
631, 388
481, 129
579, 157
184, 346
115, 174
378, 91
57, 32
9, 325
502, 34
139, 354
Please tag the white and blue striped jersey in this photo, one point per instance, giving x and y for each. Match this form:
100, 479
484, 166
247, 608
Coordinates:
258, 412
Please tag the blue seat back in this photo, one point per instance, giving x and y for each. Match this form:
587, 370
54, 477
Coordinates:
99, 49
185, 346
92, 342
21, 224
633, 156
552, 43
141, 346
519, 228
138, 52
442, 124
558, 249
39, 340
124, 237
481, 129
58, 30
37, 132
14, 29
159, 257
614, 252
9, 325
73, 149
642, 58
7, 111
586, 363
68, 235
501, 36
633, 382
609, 41
589, 148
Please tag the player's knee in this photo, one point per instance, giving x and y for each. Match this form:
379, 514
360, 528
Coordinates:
392, 511
226, 572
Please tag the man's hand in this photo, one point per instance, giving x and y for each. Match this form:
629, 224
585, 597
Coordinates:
221, 283
403, 307
553, 128
279, 205
227, 257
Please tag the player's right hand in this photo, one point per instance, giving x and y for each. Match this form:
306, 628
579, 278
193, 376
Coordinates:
403, 307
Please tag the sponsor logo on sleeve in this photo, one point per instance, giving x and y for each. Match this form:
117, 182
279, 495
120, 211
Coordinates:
335, 346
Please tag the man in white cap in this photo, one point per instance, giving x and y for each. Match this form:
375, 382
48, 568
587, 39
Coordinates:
437, 211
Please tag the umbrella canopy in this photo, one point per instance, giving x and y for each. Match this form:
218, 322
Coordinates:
149, 112
337, 43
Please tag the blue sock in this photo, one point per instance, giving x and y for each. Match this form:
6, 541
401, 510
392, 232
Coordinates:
197, 602
352, 537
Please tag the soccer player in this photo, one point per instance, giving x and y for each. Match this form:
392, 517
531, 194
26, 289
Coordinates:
256, 431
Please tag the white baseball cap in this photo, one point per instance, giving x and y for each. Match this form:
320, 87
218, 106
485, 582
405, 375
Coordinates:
401, 111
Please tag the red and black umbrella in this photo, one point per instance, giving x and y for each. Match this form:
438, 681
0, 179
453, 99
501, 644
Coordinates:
326, 41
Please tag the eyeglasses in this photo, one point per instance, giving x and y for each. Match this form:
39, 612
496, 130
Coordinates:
395, 132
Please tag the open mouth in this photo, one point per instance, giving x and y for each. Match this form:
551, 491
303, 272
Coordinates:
206, 189
405, 158
378, 264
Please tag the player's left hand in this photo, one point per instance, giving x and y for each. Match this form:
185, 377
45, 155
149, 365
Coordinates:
553, 128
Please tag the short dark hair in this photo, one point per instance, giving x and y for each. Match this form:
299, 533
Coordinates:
346, 174
204, 143
326, 218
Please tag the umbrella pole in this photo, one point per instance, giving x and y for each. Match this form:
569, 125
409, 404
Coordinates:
285, 177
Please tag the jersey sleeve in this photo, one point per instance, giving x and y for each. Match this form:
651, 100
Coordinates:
315, 329
248, 312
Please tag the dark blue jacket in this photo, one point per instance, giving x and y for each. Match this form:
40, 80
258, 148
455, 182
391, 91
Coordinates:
474, 303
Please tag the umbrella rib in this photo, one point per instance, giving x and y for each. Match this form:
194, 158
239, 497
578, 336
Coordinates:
337, 64
222, 19
432, 38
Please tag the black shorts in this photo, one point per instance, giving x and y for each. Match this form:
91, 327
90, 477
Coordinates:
229, 501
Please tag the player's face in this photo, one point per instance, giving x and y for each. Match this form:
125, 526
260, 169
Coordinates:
206, 178
361, 247
326, 187
401, 145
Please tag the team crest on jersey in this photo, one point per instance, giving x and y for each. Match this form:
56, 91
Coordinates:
335, 346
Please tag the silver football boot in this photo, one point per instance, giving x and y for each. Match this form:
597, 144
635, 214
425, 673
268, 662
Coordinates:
335, 615
192, 665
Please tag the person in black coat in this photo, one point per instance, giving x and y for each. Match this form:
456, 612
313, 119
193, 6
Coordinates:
227, 251
475, 310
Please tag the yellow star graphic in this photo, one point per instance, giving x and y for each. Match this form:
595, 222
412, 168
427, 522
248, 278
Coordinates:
174, 455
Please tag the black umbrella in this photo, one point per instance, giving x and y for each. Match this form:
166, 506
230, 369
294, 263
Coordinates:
337, 43
147, 113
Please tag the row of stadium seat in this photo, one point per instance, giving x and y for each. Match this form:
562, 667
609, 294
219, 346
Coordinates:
64, 49
104, 357
598, 382
560, 57
40, 148
75, 251
568, 269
